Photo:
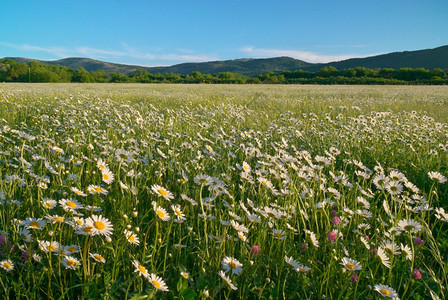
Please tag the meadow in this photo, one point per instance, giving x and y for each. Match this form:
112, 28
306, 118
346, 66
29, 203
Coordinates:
115, 191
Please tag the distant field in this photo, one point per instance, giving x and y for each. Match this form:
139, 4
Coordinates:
112, 191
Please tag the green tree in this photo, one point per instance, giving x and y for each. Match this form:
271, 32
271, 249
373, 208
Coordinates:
82, 75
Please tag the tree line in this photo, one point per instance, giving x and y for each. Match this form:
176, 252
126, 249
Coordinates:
12, 71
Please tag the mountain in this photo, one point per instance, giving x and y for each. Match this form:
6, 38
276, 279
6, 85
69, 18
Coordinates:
428, 59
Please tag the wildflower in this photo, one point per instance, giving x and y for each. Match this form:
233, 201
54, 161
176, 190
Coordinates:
383, 257
351, 264
336, 221
70, 204
278, 234
32, 223
409, 226
99, 225
354, 278
203, 180
107, 176
97, 257
417, 274
331, 236
49, 246
394, 187
386, 291
178, 212
418, 241
7, 265
161, 212
227, 280
131, 237
406, 250
437, 177
185, 275
49, 203
70, 262
162, 192
72, 249
231, 264
255, 250
141, 270
78, 192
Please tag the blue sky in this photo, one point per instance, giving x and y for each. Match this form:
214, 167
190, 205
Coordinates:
156, 33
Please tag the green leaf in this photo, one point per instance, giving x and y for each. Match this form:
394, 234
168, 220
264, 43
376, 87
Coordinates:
189, 294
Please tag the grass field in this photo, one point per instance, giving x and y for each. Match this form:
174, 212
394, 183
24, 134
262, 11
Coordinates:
223, 191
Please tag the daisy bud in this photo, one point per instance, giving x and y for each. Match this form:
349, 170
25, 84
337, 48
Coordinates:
125, 216
203, 270
206, 294
417, 274
170, 255
137, 229
128, 226
251, 262
135, 214
108, 239
268, 280
50, 233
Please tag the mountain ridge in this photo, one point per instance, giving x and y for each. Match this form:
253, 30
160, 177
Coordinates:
426, 58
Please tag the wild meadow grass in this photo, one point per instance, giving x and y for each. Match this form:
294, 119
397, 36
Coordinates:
223, 192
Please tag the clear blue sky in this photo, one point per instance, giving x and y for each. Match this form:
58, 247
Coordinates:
164, 32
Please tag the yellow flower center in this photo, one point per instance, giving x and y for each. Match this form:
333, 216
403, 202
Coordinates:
7, 265
178, 213
155, 284
302, 270
264, 182
71, 262
162, 192
245, 168
278, 235
105, 176
350, 266
98, 189
48, 204
232, 265
59, 219
131, 238
72, 249
160, 214
142, 269
98, 257
79, 222
99, 225
34, 224
88, 229
71, 204
385, 292
184, 275
51, 248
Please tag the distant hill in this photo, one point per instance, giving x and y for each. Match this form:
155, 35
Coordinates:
428, 59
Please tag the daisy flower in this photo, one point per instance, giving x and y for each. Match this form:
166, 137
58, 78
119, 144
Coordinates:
162, 192
97, 257
131, 237
101, 164
203, 180
7, 265
409, 226
70, 204
178, 212
351, 264
55, 219
227, 280
33, 223
231, 264
141, 270
437, 177
49, 246
158, 283
49, 203
185, 275
70, 262
78, 192
107, 176
383, 257
278, 234
100, 225
386, 291
161, 212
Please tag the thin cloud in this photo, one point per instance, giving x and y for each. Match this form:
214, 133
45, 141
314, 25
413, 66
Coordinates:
302, 55
106, 54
